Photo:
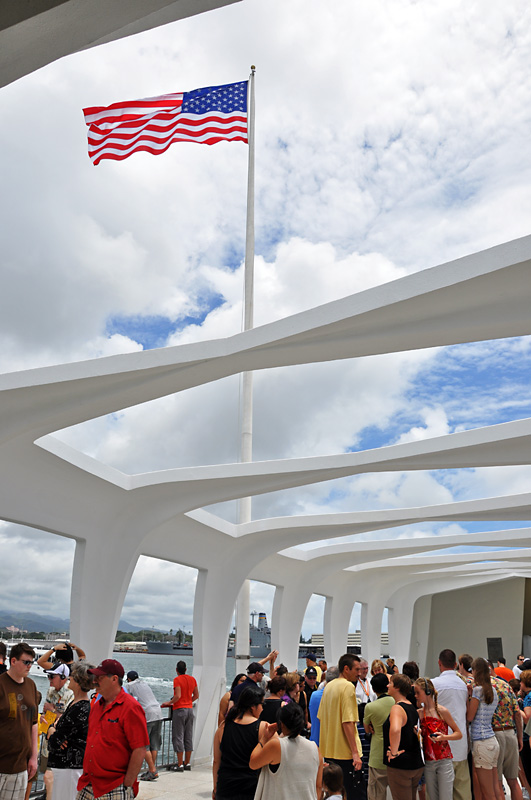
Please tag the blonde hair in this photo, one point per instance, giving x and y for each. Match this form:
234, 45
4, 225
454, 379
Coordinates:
291, 679
376, 662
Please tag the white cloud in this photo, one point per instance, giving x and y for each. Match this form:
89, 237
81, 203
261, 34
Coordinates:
436, 424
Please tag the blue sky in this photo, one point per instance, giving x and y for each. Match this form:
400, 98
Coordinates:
378, 155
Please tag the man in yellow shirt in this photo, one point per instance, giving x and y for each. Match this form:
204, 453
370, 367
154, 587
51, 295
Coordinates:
339, 741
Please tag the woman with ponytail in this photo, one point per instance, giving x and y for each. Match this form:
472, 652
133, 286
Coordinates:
292, 766
234, 742
482, 702
435, 720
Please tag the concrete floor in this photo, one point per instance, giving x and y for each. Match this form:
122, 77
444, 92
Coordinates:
193, 785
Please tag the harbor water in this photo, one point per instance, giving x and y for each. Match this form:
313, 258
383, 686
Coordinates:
157, 670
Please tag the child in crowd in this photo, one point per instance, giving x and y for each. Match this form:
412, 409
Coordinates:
333, 782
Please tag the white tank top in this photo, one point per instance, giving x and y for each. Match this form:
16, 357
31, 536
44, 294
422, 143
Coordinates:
296, 774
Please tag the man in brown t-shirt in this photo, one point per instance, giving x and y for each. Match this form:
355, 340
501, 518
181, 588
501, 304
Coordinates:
18, 724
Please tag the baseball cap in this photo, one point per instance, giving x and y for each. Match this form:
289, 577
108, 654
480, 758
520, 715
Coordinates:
311, 656
132, 675
108, 667
63, 670
255, 667
311, 672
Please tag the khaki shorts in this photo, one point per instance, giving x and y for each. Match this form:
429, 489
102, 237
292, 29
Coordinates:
485, 753
509, 756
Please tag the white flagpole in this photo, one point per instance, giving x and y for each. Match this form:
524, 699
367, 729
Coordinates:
241, 645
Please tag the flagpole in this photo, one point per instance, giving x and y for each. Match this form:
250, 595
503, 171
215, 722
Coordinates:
241, 645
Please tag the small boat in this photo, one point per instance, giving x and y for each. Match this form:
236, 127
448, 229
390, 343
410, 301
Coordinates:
35, 670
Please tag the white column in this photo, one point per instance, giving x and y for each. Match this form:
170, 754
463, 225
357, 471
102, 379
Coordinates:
293, 608
421, 626
100, 578
275, 618
215, 596
338, 610
371, 626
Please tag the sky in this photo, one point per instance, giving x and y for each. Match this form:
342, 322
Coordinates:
391, 136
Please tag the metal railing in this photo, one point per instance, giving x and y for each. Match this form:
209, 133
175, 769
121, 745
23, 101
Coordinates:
166, 758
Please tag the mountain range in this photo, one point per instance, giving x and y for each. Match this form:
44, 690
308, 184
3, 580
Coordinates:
29, 621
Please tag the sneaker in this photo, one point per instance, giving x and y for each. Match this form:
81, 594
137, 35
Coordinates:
525, 794
187, 767
177, 768
143, 775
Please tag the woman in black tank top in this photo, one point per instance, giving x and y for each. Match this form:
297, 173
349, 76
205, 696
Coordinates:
234, 742
402, 753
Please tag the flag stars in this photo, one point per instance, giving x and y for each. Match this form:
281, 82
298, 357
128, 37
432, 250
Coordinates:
224, 99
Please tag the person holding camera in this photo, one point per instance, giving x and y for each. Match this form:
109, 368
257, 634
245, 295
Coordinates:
63, 652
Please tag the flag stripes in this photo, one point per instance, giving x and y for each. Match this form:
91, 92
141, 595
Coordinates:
204, 116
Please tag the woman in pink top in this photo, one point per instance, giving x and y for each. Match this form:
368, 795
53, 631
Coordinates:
434, 723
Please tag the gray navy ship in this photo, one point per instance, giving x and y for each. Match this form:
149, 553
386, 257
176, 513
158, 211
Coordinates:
259, 638
259, 641
169, 648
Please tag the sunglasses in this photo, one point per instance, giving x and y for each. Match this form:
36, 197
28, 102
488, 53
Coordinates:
25, 662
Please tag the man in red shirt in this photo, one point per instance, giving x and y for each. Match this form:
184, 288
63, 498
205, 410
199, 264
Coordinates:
117, 739
185, 691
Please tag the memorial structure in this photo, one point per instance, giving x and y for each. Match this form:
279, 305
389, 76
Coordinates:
115, 517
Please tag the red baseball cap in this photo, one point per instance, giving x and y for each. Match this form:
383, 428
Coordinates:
108, 667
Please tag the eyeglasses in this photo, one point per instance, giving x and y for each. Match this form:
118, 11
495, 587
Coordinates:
25, 662
51, 677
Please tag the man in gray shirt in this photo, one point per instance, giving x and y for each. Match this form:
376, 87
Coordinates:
453, 694
139, 689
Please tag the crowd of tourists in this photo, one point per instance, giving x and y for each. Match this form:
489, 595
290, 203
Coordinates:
356, 732
346, 732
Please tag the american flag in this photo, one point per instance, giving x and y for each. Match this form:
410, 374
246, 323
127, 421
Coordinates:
209, 115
